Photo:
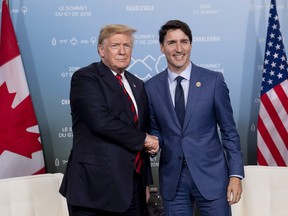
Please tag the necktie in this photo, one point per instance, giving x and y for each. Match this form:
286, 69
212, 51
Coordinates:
179, 100
138, 159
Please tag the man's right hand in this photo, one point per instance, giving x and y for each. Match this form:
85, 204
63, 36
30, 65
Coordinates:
151, 144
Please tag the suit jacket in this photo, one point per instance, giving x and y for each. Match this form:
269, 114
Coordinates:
100, 169
209, 159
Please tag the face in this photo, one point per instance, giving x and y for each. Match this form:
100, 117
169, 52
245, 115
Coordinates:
116, 52
177, 49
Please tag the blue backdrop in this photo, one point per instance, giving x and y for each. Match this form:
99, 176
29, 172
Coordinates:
56, 37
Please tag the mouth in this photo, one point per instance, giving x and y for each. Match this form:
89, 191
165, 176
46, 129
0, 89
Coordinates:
179, 56
121, 60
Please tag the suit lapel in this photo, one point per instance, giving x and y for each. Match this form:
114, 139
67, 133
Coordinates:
194, 91
163, 89
109, 78
137, 95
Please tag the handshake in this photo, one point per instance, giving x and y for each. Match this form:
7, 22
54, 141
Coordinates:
151, 144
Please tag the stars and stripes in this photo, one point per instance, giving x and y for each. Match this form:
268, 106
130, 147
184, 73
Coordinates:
272, 130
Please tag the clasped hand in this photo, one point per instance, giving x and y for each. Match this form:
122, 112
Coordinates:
151, 144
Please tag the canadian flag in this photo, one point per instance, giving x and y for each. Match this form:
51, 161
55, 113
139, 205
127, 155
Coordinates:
20, 145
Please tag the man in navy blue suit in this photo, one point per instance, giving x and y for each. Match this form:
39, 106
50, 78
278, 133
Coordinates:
198, 163
110, 123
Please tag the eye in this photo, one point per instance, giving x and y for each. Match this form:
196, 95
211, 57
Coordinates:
127, 46
115, 46
185, 42
171, 42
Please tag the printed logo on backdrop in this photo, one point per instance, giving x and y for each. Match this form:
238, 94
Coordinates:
65, 132
265, 6
139, 8
65, 102
23, 10
69, 72
147, 67
206, 9
213, 66
76, 11
58, 162
154, 161
73, 11
73, 41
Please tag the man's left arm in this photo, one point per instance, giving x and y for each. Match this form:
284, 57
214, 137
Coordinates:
230, 140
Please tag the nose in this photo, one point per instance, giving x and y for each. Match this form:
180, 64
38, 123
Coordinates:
121, 49
178, 47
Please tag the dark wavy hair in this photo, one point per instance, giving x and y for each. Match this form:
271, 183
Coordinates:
174, 25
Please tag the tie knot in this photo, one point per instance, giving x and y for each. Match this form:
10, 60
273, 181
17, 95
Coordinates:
119, 77
179, 79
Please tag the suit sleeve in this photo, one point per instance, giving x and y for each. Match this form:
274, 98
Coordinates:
229, 134
154, 125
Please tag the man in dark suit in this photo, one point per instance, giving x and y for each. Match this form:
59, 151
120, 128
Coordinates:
196, 164
110, 120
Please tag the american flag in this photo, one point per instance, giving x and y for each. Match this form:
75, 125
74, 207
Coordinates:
272, 129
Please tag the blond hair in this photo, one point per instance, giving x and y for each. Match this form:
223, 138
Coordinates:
110, 30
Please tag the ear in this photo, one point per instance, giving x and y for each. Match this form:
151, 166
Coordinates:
101, 50
162, 48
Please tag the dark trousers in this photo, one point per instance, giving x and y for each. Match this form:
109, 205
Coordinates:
136, 208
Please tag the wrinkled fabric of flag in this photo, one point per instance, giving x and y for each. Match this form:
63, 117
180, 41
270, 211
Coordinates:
272, 129
21, 151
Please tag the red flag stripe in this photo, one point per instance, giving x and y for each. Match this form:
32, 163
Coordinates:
265, 153
282, 93
270, 143
271, 129
272, 135
274, 115
261, 159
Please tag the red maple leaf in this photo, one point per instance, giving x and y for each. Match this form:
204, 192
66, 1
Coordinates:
14, 123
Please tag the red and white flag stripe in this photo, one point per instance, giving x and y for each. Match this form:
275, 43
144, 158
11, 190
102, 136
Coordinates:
272, 127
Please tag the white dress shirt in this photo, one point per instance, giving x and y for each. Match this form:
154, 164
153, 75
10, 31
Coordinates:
128, 89
185, 82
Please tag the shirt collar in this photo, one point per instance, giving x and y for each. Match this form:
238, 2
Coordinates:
122, 74
186, 73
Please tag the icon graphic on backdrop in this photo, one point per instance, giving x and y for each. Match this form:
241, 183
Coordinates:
93, 40
150, 63
24, 10
57, 162
63, 41
73, 41
54, 41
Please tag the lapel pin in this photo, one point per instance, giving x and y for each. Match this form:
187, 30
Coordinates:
198, 84
134, 85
